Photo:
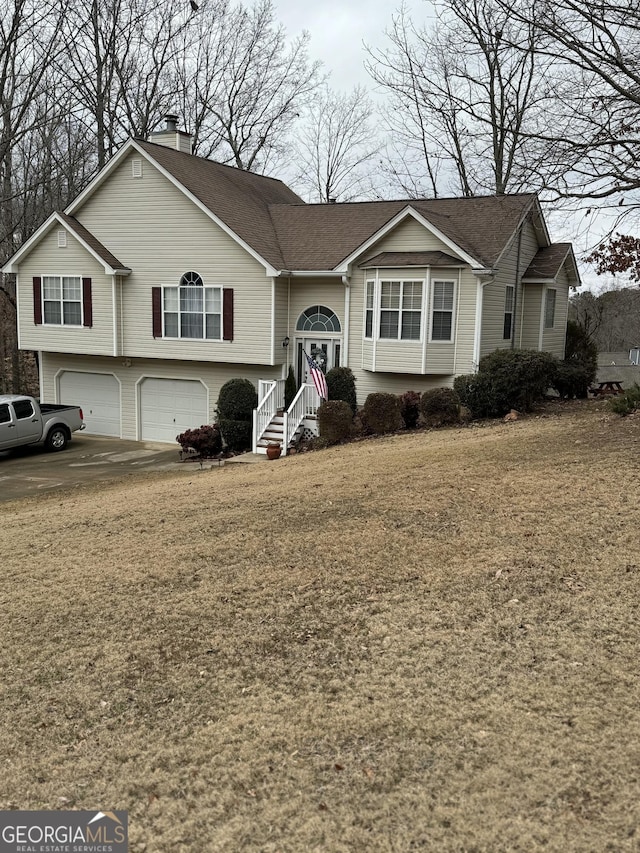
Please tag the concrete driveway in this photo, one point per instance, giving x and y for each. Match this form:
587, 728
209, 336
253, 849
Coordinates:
87, 459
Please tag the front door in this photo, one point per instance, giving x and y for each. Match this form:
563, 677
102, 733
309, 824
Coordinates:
326, 354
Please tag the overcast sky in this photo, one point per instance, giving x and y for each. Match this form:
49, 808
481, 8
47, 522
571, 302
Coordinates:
338, 29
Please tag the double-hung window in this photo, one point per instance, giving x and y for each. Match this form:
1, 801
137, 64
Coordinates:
62, 300
400, 310
550, 309
442, 310
508, 312
368, 319
192, 310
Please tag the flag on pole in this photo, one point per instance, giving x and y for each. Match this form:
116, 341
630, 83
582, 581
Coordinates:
318, 378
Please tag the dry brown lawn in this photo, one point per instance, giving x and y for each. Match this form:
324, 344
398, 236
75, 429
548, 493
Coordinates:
425, 642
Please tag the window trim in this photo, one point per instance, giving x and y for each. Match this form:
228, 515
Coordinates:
453, 311
376, 310
548, 291
61, 301
205, 287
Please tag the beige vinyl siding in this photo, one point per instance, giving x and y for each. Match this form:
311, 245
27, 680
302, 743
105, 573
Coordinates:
408, 236
530, 316
553, 340
368, 382
493, 302
306, 292
47, 259
153, 228
280, 353
466, 322
213, 376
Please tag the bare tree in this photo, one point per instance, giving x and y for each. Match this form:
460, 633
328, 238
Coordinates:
335, 146
465, 105
246, 85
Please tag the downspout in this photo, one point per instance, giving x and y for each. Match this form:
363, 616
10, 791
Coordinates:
344, 358
114, 309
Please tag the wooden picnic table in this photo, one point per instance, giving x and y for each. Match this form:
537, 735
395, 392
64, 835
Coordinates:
605, 389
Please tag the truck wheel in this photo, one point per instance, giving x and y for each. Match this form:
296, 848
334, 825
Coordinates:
57, 439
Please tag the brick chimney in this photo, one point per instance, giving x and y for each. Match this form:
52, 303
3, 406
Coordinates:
171, 136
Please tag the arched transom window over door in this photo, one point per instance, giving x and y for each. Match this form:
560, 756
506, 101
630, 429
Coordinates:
318, 318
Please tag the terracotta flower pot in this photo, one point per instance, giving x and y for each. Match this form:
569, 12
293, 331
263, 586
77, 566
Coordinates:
274, 451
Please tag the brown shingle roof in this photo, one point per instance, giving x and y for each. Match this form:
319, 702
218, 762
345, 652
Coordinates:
92, 241
410, 259
320, 237
240, 199
548, 261
292, 235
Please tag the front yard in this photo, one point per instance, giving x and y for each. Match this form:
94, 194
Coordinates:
422, 642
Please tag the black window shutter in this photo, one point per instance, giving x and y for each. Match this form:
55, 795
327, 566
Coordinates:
227, 313
87, 303
37, 300
156, 303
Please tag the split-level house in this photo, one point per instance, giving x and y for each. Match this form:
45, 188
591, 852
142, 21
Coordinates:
171, 274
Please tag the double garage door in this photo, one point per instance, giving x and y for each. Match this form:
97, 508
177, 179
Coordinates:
167, 407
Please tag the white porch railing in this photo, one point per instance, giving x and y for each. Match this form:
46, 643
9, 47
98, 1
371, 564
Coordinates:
271, 399
305, 403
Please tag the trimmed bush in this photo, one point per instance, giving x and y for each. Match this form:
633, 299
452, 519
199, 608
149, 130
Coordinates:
236, 402
627, 403
237, 435
410, 408
440, 407
334, 421
341, 384
573, 379
290, 388
580, 365
381, 413
520, 377
206, 440
477, 394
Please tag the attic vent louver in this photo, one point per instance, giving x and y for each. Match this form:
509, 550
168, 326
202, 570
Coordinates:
136, 168
62, 239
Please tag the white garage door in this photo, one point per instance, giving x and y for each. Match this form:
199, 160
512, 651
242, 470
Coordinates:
171, 406
98, 395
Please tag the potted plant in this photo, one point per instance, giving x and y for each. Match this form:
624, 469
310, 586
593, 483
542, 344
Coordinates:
274, 450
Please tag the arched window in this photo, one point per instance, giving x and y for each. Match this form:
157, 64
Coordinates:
318, 318
192, 310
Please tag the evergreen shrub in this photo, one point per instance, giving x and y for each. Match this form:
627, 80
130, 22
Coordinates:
627, 403
520, 377
410, 408
381, 413
236, 402
290, 388
440, 407
341, 384
477, 394
335, 420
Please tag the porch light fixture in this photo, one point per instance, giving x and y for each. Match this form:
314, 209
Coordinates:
285, 342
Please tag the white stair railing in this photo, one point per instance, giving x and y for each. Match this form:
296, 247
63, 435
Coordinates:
305, 403
264, 414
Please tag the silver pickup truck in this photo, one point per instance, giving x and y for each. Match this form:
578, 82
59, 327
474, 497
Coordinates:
23, 420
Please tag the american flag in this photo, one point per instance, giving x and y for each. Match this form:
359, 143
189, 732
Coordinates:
318, 378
